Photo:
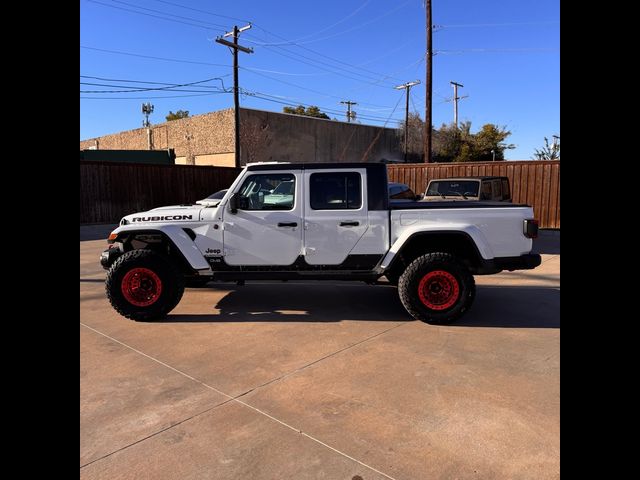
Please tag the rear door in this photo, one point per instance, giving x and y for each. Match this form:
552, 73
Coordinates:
335, 215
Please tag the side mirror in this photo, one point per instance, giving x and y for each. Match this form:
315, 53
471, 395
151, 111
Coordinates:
233, 203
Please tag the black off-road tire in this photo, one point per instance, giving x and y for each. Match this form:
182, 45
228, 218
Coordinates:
436, 288
144, 285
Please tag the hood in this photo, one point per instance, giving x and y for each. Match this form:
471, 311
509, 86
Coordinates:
172, 214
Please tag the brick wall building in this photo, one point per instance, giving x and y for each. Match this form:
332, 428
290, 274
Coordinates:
208, 139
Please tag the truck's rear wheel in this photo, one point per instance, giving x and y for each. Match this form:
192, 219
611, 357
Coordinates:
143, 285
435, 288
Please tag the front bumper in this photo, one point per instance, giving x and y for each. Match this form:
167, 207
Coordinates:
527, 261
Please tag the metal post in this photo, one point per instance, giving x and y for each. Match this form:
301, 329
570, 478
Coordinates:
455, 101
455, 104
406, 86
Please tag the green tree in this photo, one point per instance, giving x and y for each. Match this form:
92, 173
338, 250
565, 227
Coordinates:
489, 141
548, 152
311, 111
459, 144
178, 115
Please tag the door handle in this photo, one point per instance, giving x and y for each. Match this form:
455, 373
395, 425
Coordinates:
349, 224
287, 224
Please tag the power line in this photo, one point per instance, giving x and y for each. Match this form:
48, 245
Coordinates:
284, 73
278, 99
149, 97
176, 60
154, 16
496, 50
344, 19
357, 27
415, 109
251, 70
167, 13
376, 75
464, 25
257, 43
193, 62
167, 86
368, 81
303, 88
201, 11
140, 89
375, 139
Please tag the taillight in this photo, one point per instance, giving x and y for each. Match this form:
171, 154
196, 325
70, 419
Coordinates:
530, 228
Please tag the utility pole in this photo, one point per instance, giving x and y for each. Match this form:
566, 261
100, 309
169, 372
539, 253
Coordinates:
236, 98
427, 116
455, 100
350, 115
406, 86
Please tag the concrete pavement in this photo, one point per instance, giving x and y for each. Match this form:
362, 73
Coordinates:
321, 380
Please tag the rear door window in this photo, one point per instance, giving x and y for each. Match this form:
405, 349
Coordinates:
335, 191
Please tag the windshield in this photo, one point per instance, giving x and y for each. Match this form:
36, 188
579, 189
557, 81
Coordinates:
217, 196
466, 188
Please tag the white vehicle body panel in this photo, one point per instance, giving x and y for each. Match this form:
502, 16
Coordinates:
497, 232
331, 235
178, 236
254, 237
375, 240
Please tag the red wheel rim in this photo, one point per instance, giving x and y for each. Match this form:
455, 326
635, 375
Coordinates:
439, 290
141, 287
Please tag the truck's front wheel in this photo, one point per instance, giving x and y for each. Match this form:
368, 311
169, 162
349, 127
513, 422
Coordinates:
435, 288
143, 285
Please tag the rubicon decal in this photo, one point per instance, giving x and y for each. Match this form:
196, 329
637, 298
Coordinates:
159, 219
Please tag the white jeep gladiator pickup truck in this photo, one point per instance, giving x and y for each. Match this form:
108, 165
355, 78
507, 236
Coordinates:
320, 221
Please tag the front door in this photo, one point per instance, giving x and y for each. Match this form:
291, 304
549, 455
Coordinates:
267, 229
335, 214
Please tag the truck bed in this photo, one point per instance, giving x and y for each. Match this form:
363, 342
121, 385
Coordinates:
410, 205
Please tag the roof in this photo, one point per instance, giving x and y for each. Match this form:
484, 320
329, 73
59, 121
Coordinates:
314, 166
471, 178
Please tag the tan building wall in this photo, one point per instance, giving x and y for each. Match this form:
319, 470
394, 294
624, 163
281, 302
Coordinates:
265, 136
209, 133
216, 159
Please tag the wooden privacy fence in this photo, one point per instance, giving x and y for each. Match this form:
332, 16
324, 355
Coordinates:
108, 191
536, 183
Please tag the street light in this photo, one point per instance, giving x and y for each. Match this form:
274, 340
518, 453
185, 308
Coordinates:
493, 154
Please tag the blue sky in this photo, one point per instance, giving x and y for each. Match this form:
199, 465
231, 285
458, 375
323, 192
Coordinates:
506, 53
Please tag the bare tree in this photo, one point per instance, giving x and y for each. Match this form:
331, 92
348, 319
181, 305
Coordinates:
415, 143
254, 139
